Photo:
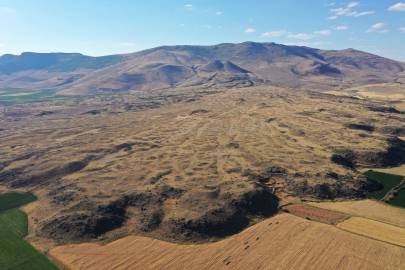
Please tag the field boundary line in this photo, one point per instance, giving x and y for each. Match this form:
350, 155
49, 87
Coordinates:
353, 215
11, 223
362, 235
14, 267
397, 186
12, 227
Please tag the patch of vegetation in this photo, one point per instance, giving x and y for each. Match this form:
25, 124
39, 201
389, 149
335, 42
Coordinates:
15, 253
399, 198
12, 200
29, 95
388, 181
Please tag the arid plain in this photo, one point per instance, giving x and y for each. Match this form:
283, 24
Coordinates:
191, 165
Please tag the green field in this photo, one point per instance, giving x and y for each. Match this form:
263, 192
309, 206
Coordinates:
15, 253
36, 96
399, 199
11, 200
389, 181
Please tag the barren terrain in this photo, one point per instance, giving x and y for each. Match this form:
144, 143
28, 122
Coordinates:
281, 242
188, 164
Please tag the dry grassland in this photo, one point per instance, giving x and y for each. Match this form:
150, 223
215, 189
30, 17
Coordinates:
186, 164
375, 229
395, 170
387, 92
368, 209
281, 242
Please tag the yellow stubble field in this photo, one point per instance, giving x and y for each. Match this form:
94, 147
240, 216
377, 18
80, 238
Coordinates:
375, 229
282, 242
368, 209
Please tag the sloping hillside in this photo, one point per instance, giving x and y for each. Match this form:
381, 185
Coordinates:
223, 65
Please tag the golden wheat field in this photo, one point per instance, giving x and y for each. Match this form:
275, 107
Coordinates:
282, 242
375, 229
369, 209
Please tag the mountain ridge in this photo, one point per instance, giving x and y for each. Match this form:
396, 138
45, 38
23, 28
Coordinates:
222, 65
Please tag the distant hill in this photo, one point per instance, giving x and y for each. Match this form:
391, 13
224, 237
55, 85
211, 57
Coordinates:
223, 65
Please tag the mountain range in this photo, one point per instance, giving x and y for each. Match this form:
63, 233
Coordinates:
223, 65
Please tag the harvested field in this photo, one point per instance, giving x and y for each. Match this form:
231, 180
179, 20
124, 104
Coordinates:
369, 209
395, 170
375, 229
281, 242
316, 213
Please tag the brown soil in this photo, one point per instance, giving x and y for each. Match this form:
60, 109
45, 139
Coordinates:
369, 209
316, 213
281, 242
374, 229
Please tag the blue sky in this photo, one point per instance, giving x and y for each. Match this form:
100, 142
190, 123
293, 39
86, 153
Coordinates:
104, 27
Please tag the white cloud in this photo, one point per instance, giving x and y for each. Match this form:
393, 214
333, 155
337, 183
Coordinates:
2, 45
302, 36
364, 13
297, 44
320, 43
331, 4
250, 30
189, 6
182, 24
402, 29
355, 39
370, 30
384, 31
398, 7
332, 18
342, 28
207, 26
354, 13
379, 25
127, 44
275, 33
324, 32
348, 11
340, 11
218, 13
353, 4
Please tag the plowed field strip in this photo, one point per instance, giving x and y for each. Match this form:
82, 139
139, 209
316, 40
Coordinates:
375, 229
316, 213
